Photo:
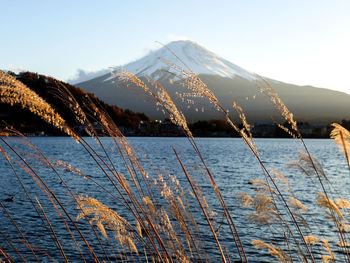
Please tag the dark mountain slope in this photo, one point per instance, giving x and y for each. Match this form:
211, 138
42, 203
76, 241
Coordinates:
47, 88
305, 102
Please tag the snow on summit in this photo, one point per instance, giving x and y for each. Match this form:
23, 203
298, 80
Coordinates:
196, 57
199, 59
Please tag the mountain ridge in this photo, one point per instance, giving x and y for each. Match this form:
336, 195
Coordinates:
307, 103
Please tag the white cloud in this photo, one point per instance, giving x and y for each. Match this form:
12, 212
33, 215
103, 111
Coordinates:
172, 37
15, 69
85, 75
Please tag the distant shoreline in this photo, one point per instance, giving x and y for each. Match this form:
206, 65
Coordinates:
196, 137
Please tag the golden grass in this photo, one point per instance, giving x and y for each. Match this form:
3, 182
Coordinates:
341, 137
14, 92
323, 201
273, 251
312, 240
328, 249
297, 204
161, 225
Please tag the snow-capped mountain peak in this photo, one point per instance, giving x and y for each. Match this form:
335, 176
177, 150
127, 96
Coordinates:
199, 59
195, 57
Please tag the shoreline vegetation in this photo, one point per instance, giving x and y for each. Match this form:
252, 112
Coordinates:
160, 225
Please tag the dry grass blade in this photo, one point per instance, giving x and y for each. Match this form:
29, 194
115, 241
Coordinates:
327, 247
293, 202
53, 232
308, 165
323, 201
280, 177
245, 132
262, 186
327, 258
312, 240
14, 92
194, 83
104, 216
64, 94
262, 202
343, 244
273, 251
261, 218
245, 199
264, 212
342, 203
6, 256
202, 207
278, 104
341, 137
20, 232
288, 131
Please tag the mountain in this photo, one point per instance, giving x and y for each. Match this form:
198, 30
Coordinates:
228, 81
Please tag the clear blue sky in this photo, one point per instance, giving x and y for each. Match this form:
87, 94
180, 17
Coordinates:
299, 41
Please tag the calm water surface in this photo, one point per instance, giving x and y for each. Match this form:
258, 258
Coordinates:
229, 160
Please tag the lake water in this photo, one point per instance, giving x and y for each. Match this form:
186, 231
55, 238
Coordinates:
229, 160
